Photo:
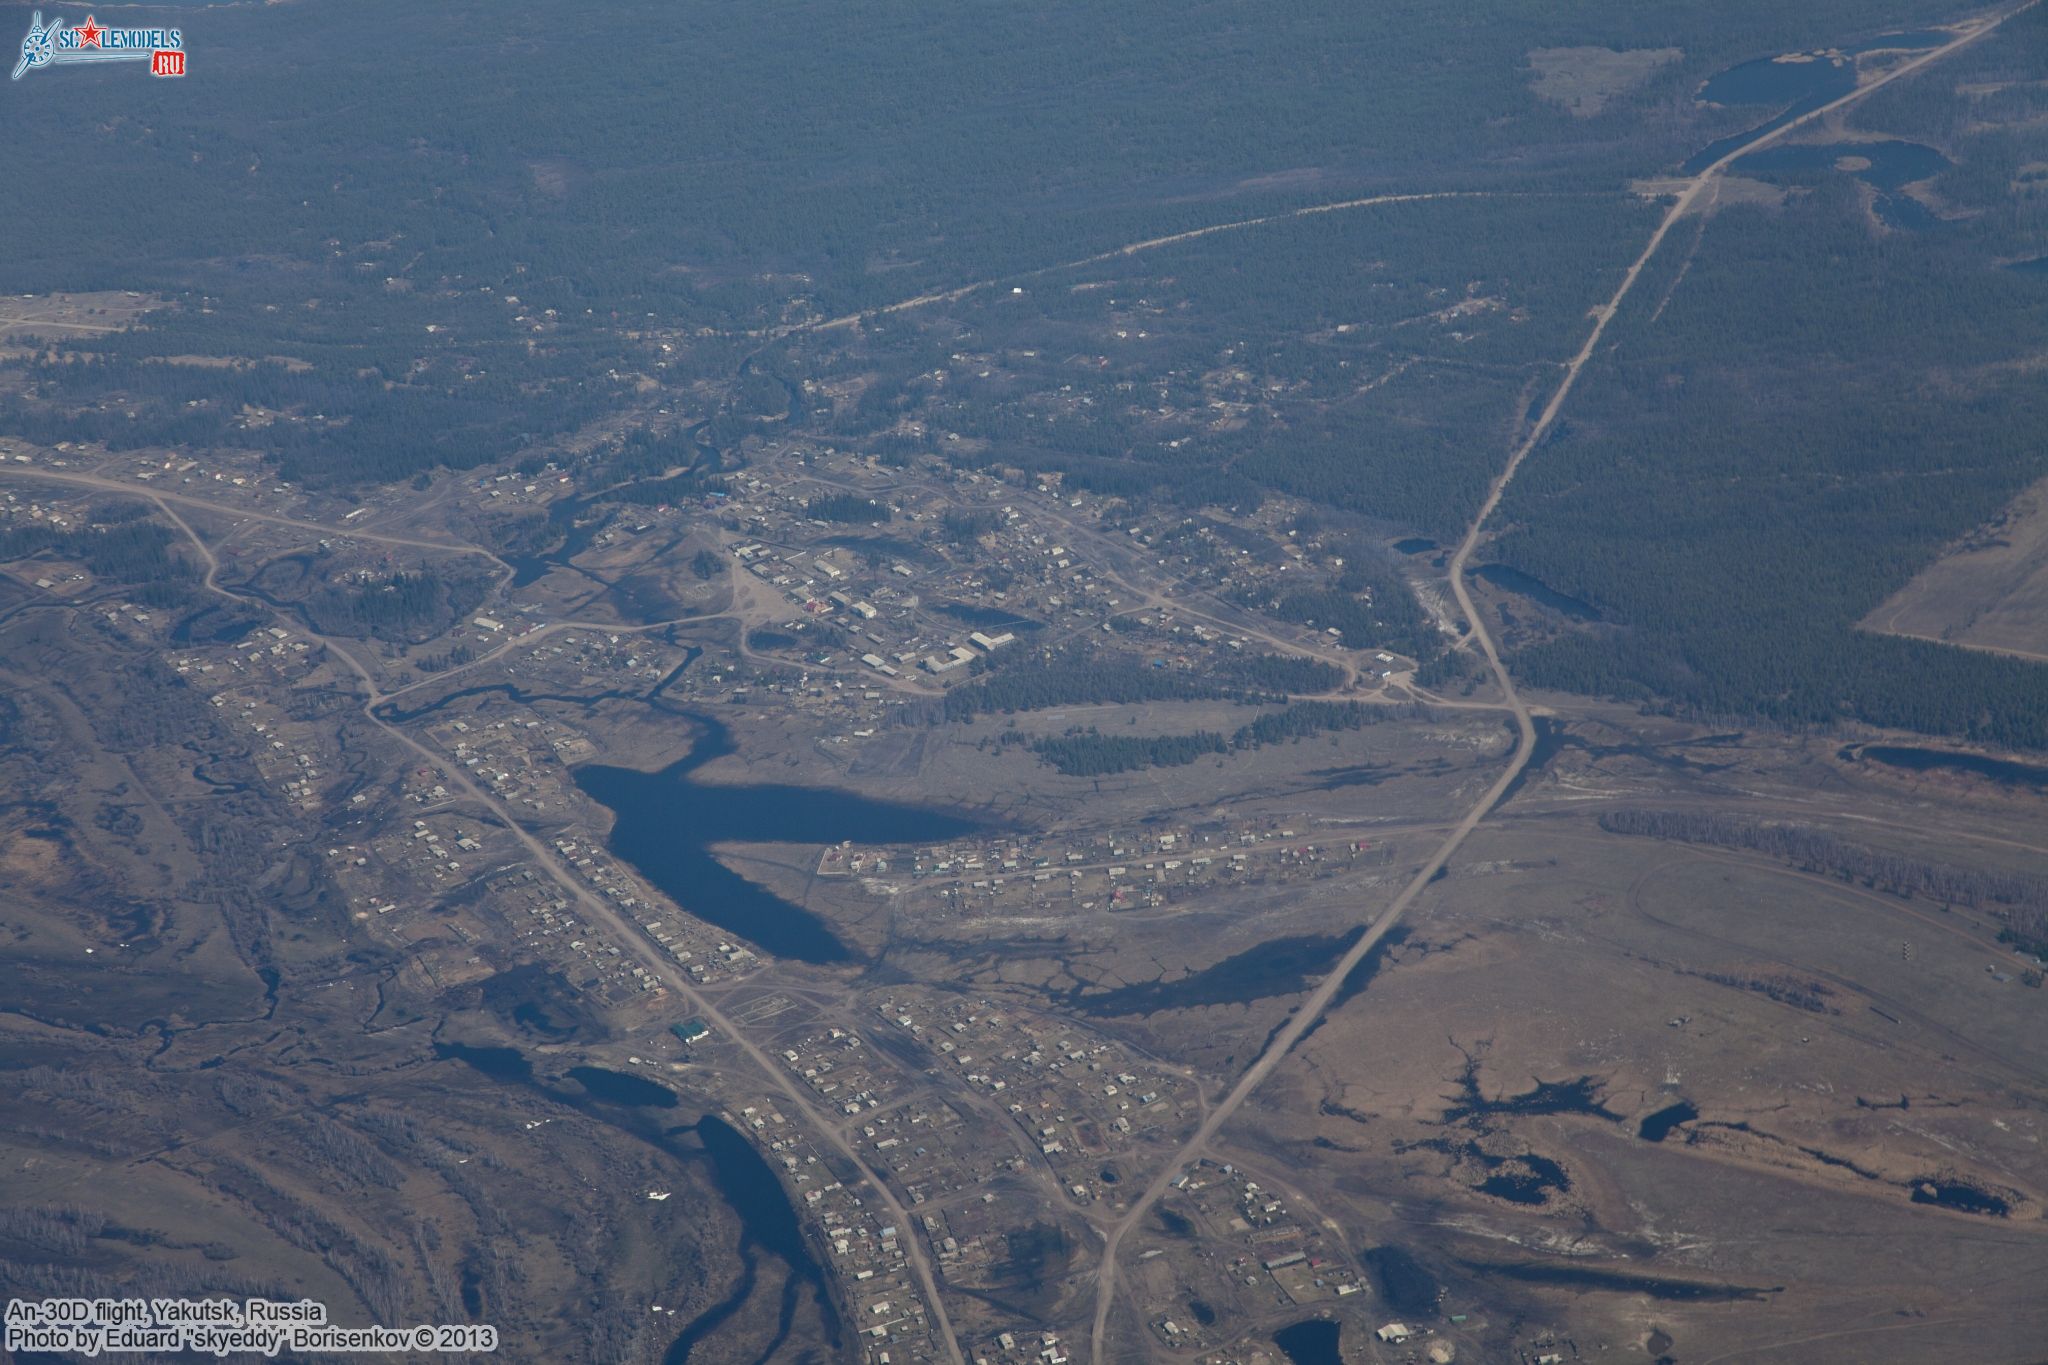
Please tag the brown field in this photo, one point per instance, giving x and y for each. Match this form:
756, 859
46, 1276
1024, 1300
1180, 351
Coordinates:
1989, 591
1583, 79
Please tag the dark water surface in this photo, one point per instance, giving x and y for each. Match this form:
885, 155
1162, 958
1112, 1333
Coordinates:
1918, 760
1801, 86
1279, 966
1768, 80
1656, 1127
751, 1186
742, 1176
667, 823
1524, 1179
1893, 165
1960, 1198
620, 1087
1311, 1343
1536, 590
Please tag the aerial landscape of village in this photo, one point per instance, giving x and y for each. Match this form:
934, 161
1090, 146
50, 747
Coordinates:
1183, 683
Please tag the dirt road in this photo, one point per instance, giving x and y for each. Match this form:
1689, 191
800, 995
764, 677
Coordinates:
161, 496
1377, 929
623, 932
1130, 249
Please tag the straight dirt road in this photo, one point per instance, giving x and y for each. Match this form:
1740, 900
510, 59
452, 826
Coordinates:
1377, 929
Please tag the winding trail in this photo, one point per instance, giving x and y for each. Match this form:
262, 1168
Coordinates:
1311, 1009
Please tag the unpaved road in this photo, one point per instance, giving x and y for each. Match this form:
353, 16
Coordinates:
163, 496
1130, 249
1318, 1000
623, 932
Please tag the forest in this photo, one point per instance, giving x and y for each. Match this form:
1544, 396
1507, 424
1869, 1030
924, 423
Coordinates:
1090, 753
454, 275
1078, 677
132, 552
1815, 415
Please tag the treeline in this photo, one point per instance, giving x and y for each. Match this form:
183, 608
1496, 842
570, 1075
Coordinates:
1746, 481
1082, 679
406, 606
1091, 754
1281, 673
1389, 619
964, 525
132, 552
1307, 718
1036, 686
2020, 899
641, 454
849, 508
324, 428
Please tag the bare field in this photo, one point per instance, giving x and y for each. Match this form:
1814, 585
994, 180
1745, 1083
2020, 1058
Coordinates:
1988, 592
1583, 79
1621, 1086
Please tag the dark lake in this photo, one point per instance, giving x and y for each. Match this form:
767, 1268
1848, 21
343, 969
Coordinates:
1959, 1197
1770, 80
1550, 741
750, 1185
1581, 1096
667, 823
1656, 1127
1311, 1343
1919, 760
620, 1087
1414, 545
1536, 590
1524, 1179
1892, 164
1799, 86
742, 1176
1279, 966
2037, 266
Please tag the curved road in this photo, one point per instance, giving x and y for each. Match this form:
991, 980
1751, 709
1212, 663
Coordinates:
161, 497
